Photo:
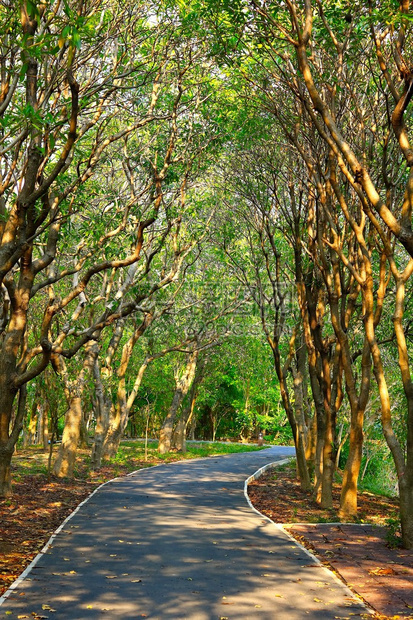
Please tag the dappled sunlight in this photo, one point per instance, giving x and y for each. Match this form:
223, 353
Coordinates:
141, 548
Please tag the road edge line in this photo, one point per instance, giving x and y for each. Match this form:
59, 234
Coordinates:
280, 528
42, 552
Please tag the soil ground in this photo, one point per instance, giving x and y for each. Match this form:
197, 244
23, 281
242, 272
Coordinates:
366, 555
37, 507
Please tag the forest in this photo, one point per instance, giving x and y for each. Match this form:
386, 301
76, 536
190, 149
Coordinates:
206, 232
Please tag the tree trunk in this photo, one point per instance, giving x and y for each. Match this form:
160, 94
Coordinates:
299, 440
308, 300
65, 462
120, 416
179, 434
45, 429
329, 447
183, 384
193, 425
348, 499
311, 443
8, 441
101, 416
298, 387
406, 475
406, 511
5, 471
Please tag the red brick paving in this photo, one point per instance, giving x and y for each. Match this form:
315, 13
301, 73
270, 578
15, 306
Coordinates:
358, 553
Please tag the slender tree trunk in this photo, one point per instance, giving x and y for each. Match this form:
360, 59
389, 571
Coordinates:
329, 447
120, 417
179, 433
311, 443
193, 422
7, 445
342, 438
84, 438
101, 416
348, 499
120, 413
298, 387
183, 384
405, 476
65, 461
45, 428
299, 440
313, 340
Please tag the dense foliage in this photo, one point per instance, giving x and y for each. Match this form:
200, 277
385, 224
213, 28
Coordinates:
206, 229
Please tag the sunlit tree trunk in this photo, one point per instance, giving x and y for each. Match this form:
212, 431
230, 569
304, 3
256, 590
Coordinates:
358, 404
120, 417
299, 439
29, 431
183, 383
179, 433
405, 470
102, 409
66, 458
298, 373
120, 413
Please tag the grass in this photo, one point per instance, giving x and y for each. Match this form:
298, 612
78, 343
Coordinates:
131, 451
32, 461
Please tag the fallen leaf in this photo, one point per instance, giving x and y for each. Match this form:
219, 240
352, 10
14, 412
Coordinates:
382, 571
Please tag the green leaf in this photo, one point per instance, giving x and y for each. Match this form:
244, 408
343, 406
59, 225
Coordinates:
31, 9
23, 71
76, 38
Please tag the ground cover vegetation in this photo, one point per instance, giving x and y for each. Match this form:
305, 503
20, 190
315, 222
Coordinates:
206, 230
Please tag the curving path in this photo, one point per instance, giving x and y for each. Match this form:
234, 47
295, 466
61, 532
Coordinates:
179, 541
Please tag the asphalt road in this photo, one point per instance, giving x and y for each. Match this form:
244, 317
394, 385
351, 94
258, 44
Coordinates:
179, 541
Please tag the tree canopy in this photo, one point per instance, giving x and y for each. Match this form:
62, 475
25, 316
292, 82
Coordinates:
206, 229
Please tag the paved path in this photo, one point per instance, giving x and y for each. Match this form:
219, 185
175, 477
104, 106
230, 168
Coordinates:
179, 541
